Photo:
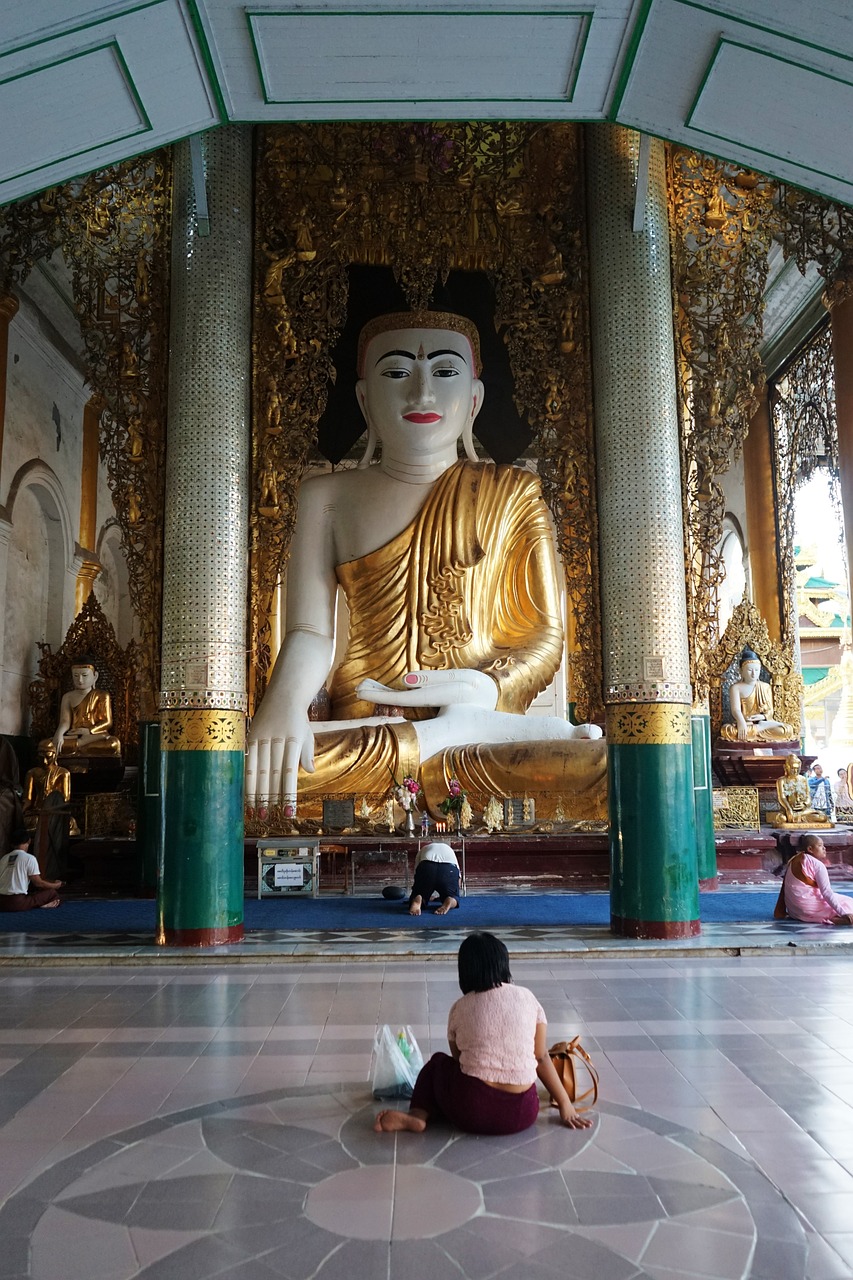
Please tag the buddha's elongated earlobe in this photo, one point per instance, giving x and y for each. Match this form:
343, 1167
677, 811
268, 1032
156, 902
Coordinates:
468, 441
369, 448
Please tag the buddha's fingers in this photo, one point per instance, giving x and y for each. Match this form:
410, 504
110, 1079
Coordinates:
296, 750
276, 761
262, 777
251, 773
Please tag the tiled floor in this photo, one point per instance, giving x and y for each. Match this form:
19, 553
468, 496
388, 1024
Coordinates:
755, 937
216, 1121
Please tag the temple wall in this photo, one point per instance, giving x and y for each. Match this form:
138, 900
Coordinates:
40, 496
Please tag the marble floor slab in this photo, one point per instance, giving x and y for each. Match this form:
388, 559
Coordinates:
215, 1121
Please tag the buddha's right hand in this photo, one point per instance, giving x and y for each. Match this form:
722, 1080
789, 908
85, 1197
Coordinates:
275, 752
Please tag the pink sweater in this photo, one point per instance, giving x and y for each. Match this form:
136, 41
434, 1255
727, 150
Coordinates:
494, 1032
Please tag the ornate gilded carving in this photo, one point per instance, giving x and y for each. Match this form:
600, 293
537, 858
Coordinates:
813, 230
805, 438
113, 228
506, 199
89, 634
723, 220
656, 724
203, 731
737, 809
747, 627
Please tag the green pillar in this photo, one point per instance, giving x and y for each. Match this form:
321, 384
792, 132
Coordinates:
647, 693
203, 694
653, 883
703, 797
149, 829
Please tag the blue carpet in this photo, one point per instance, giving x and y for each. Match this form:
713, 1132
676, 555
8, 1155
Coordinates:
477, 911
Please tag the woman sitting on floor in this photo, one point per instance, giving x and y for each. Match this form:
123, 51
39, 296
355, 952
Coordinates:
498, 1041
806, 893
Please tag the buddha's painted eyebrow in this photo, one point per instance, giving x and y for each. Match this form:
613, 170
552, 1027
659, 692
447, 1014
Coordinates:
410, 355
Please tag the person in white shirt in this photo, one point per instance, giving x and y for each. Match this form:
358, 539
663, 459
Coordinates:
22, 885
436, 871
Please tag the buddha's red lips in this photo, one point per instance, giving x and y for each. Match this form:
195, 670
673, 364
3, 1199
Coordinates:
422, 417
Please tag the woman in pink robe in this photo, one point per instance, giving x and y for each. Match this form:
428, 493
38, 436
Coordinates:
806, 893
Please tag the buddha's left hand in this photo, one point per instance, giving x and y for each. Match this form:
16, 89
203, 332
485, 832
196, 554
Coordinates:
435, 689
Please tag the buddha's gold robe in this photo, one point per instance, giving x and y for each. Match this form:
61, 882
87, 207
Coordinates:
94, 713
760, 702
471, 583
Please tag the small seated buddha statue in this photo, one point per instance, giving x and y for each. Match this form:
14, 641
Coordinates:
751, 706
85, 717
792, 792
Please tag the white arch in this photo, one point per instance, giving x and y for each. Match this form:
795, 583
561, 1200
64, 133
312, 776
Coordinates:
47, 487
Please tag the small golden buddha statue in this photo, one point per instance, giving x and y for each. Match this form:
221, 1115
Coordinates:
85, 717
751, 706
792, 791
44, 780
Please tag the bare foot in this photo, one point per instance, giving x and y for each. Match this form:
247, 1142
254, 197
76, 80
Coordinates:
447, 905
397, 1121
415, 907
45, 906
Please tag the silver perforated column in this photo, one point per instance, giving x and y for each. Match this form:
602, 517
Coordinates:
644, 610
644, 614
203, 691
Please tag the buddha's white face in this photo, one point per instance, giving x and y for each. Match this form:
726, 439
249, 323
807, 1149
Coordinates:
419, 390
84, 677
750, 670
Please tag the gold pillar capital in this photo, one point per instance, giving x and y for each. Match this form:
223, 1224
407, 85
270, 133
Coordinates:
86, 575
839, 286
8, 307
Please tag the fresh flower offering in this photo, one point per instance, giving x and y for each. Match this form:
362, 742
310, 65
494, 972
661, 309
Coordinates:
406, 792
454, 799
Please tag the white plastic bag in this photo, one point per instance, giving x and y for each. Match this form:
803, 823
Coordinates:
396, 1063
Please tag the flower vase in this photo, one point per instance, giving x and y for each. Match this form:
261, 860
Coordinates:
410, 824
457, 820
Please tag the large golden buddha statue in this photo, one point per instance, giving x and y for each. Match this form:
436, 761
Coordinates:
85, 717
450, 578
751, 706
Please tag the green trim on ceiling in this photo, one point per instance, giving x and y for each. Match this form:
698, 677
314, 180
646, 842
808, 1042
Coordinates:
722, 43
725, 42
84, 26
585, 16
84, 173
637, 33
759, 26
108, 45
207, 58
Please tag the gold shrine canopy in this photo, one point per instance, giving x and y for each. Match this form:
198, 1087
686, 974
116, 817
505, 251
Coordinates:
86, 83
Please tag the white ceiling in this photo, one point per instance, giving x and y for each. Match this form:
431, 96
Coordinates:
765, 83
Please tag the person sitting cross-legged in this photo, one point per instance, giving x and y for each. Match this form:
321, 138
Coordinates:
497, 1036
22, 885
806, 893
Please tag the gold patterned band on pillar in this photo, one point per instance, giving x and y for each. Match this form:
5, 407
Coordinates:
654, 723
203, 731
